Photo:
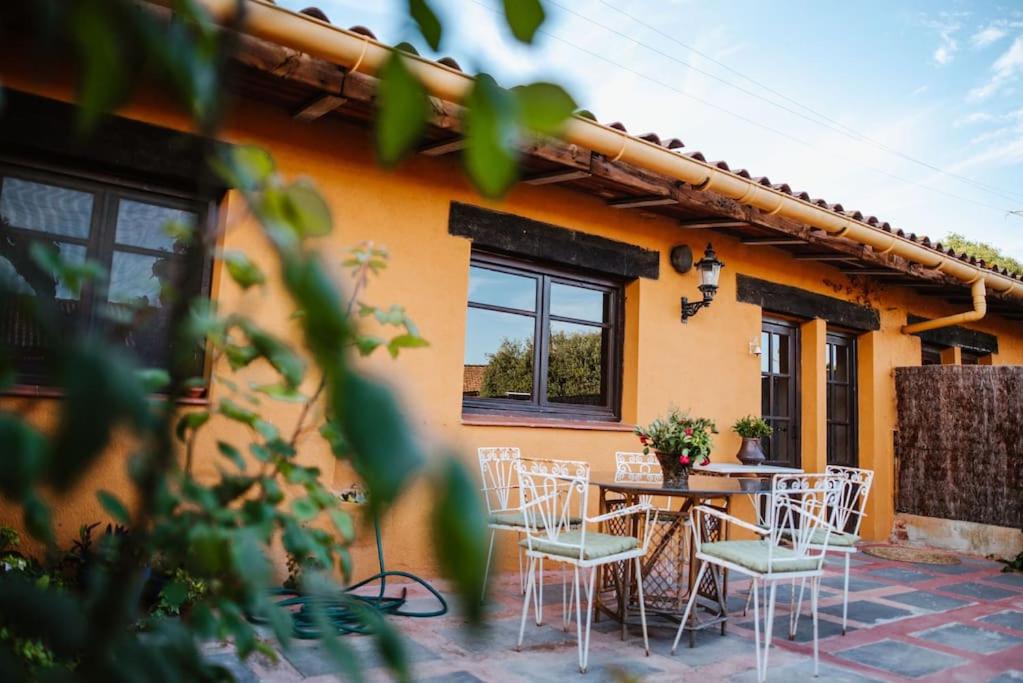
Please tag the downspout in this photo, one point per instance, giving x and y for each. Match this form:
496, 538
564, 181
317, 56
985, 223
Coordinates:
358, 52
979, 309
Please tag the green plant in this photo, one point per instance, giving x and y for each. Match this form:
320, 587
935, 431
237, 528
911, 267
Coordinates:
689, 438
220, 529
752, 427
993, 256
1013, 565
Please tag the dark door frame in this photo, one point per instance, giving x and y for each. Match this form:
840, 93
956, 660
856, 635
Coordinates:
843, 339
791, 331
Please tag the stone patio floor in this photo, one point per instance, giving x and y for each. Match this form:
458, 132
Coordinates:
907, 622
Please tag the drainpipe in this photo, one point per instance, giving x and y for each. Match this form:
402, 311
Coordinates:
979, 309
357, 52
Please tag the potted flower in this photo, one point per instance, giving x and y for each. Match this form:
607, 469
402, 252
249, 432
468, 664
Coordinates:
679, 442
752, 429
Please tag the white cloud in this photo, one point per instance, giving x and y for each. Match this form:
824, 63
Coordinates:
919, 91
1007, 70
943, 55
987, 36
947, 25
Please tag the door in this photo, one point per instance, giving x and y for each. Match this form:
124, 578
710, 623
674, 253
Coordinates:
779, 391
840, 362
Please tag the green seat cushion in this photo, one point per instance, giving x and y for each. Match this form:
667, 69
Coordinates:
753, 555
837, 538
597, 545
516, 518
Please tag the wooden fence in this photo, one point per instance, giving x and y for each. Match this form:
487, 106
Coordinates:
959, 444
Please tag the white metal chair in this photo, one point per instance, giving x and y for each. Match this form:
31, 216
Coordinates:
796, 514
553, 494
845, 515
504, 512
633, 466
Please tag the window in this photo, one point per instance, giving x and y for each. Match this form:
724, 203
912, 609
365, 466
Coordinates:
541, 340
779, 390
930, 354
122, 228
840, 366
969, 357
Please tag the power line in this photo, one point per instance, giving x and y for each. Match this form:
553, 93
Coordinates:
748, 120
826, 122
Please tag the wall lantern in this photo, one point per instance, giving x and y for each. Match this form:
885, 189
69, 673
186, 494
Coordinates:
709, 269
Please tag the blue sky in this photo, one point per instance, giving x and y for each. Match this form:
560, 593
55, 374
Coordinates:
853, 102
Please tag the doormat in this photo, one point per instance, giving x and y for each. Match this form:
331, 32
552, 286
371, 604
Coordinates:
901, 553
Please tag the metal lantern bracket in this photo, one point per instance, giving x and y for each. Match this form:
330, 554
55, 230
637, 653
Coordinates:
709, 269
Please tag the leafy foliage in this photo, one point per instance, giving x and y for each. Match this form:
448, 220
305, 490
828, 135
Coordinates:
574, 368
752, 427
210, 537
991, 255
679, 434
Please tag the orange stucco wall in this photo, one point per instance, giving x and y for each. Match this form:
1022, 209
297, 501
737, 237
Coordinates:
704, 366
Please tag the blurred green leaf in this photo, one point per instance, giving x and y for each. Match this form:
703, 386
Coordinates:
232, 454
367, 344
174, 594
426, 19
402, 110
405, 341
384, 452
245, 167
459, 534
233, 411
102, 62
524, 17
37, 518
279, 354
544, 107
491, 158
71, 274
304, 509
242, 270
306, 210
114, 507
52, 616
153, 379
344, 524
281, 392
189, 422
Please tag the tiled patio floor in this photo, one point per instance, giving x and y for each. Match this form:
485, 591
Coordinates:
907, 623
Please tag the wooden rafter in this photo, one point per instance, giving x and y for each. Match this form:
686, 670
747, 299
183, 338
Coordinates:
318, 107
711, 224
772, 241
639, 202
559, 176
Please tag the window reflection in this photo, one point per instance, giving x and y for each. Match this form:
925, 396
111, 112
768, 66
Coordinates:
46, 208
580, 303
146, 225
499, 354
497, 288
575, 371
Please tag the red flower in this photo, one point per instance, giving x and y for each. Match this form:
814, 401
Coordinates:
683, 459
689, 431
644, 440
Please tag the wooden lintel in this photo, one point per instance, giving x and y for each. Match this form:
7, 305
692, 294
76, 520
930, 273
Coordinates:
639, 202
559, 176
772, 241
825, 257
436, 149
706, 224
318, 107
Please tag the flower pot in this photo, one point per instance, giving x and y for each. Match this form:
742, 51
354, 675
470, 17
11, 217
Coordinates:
750, 452
675, 474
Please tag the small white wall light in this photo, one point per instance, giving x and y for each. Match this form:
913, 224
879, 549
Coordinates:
754, 347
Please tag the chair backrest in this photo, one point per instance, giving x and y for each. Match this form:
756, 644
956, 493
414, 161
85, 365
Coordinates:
497, 470
554, 496
636, 466
850, 505
797, 518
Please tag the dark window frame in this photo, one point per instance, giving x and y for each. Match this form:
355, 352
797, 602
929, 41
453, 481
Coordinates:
101, 243
544, 274
836, 339
791, 331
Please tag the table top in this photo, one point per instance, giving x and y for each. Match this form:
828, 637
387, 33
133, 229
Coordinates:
737, 468
699, 485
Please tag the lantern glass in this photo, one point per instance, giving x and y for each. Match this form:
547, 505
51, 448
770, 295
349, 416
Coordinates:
710, 270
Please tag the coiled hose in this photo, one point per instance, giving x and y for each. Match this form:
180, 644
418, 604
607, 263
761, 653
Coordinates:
343, 613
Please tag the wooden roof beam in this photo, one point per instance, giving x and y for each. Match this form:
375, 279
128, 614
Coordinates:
874, 272
319, 107
710, 224
779, 241
436, 149
825, 257
559, 176
640, 202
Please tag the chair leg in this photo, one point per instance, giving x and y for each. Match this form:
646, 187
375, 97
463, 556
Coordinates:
845, 595
642, 607
486, 571
749, 600
525, 602
538, 595
689, 607
756, 629
794, 615
585, 653
769, 626
577, 590
522, 574
815, 585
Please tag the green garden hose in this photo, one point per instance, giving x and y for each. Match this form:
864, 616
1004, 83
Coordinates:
343, 612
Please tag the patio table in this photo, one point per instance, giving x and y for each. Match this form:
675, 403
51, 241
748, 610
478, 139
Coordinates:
731, 469
664, 593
